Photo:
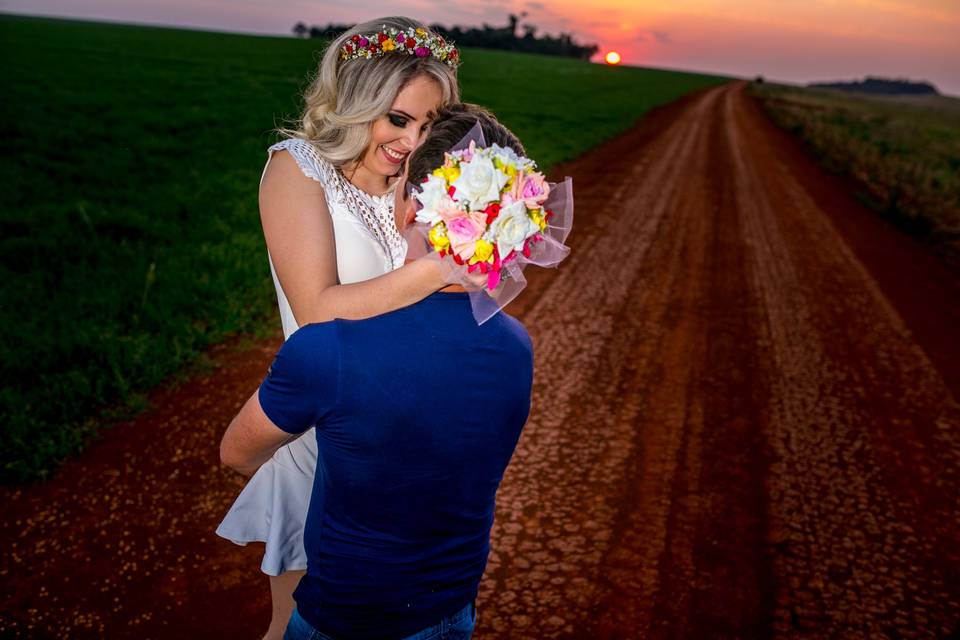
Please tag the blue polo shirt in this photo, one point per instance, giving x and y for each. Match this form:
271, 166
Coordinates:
417, 413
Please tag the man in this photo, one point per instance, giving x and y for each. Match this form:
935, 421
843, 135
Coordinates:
417, 414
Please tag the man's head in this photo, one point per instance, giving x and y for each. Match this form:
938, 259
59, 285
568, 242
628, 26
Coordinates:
452, 123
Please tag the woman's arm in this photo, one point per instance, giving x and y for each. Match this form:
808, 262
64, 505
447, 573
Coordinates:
300, 238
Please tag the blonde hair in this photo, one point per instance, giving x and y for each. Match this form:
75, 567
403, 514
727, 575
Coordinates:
347, 96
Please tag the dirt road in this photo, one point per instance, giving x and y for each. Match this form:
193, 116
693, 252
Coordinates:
745, 425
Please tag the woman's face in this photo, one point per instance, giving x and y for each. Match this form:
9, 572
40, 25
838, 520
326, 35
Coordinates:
396, 134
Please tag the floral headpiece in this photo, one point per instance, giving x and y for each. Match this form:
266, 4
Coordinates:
486, 212
416, 42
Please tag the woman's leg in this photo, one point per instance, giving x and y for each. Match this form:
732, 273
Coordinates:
281, 593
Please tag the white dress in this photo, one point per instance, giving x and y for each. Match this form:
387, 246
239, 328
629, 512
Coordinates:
272, 508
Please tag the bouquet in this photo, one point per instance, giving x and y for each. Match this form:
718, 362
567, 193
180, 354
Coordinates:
485, 207
488, 210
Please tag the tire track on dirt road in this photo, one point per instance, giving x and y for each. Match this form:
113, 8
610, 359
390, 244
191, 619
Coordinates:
864, 494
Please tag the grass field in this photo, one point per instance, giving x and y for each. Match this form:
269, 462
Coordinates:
129, 232
903, 153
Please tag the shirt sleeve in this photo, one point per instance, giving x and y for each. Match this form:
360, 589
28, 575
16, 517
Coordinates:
302, 385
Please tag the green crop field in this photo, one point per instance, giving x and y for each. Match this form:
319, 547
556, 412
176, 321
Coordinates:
130, 234
901, 152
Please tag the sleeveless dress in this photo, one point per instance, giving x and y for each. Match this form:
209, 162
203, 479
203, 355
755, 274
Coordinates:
272, 508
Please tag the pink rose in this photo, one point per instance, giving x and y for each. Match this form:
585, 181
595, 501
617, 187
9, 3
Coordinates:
531, 188
465, 155
464, 229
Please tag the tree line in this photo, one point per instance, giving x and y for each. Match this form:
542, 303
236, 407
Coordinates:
514, 36
881, 86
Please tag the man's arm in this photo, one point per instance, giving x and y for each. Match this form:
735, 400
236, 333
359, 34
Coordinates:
251, 439
299, 391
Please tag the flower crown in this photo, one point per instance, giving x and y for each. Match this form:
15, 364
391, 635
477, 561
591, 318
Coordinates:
484, 207
416, 42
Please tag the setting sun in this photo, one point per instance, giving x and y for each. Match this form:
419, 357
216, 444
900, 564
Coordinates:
613, 58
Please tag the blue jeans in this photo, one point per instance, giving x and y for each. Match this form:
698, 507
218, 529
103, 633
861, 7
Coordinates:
458, 626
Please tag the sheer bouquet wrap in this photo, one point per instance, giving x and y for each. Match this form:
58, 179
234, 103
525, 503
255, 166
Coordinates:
486, 214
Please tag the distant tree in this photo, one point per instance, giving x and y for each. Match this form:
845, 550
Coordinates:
328, 32
513, 20
300, 30
881, 86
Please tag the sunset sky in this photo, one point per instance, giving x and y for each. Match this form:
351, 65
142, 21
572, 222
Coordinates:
790, 40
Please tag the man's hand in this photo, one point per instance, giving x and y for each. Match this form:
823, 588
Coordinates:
251, 439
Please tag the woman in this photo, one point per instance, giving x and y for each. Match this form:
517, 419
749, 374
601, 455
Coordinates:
326, 204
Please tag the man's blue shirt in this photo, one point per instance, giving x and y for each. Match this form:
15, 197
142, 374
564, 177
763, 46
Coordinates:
417, 413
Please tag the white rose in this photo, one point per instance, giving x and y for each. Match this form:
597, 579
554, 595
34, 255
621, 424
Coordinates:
512, 228
479, 183
433, 196
508, 156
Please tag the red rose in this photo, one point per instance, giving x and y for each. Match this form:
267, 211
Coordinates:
492, 211
382, 37
355, 38
411, 43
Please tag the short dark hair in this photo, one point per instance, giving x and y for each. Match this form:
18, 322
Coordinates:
452, 123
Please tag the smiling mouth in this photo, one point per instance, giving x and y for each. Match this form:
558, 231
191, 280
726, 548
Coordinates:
393, 156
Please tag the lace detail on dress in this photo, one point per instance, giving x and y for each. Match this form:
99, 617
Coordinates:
376, 212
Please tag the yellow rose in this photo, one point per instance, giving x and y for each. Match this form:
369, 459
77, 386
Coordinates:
508, 169
483, 251
438, 237
537, 216
450, 174
387, 45
422, 32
